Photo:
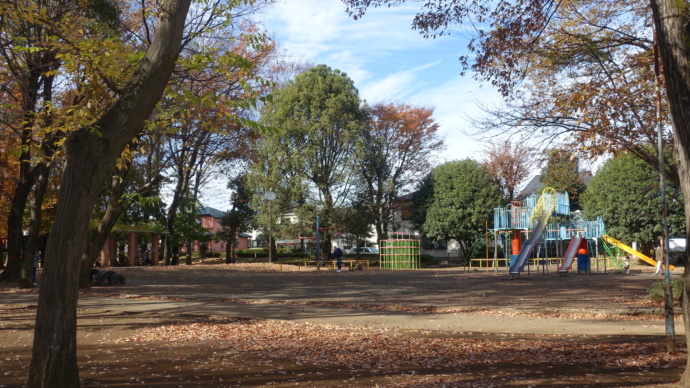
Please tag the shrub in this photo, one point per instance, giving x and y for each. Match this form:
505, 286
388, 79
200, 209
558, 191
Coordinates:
251, 253
655, 293
263, 254
294, 255
427, 260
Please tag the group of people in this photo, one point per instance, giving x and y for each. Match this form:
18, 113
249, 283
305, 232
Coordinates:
658, 257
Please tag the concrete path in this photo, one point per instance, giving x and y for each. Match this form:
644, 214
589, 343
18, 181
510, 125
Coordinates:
497, 323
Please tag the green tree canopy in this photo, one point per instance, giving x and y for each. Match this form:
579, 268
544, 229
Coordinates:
562, 173
460, 198
319, 118
238, 218
625, 193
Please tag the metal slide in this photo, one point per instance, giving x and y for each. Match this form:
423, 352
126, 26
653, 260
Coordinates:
629, 250
528, 247
541, 214
570, 254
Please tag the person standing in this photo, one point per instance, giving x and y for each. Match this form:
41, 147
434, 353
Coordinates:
626, 264
37, 259
659, 257
338, 254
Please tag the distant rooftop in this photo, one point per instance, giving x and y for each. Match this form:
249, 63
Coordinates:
209, 211
536, 184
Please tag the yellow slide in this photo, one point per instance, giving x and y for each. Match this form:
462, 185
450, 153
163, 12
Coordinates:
633, 252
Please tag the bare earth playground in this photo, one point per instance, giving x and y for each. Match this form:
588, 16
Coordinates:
254, 325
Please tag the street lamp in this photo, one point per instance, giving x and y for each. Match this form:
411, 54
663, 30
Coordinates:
270, 196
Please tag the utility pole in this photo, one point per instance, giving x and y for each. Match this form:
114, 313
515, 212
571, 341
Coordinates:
270, 196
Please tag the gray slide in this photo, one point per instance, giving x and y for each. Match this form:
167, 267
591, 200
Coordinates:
527, 248
570, 254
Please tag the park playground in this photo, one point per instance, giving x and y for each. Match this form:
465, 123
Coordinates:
541, 234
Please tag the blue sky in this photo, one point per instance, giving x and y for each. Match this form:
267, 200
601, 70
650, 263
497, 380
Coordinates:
387, 61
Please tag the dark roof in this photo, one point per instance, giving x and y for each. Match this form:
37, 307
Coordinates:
406, 197
209, 211
536, 184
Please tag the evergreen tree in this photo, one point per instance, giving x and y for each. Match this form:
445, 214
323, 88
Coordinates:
625, 193
562, 173
460, 198
319, 118
237, 219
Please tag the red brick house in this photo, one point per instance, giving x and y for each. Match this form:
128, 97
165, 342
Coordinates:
210, 220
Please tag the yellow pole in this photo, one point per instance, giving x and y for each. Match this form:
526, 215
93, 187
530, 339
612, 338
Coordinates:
486, 237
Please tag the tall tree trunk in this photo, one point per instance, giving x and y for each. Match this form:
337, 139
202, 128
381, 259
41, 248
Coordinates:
671, 19
35, 217
165, 249
229, 251
380, 231
189, 247
15, 219
99, 236
89, 159
15, 235
117, 205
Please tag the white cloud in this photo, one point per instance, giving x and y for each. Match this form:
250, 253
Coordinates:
396, 86
387, 60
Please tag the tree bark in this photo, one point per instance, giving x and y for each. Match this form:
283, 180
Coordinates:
35, 219
116, 207
189, 247
90, 156
229, 251
671, 20
15, 235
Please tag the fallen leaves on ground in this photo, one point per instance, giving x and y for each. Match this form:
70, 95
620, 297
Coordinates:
368, 348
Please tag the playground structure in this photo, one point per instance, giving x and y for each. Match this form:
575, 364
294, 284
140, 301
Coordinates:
402, 251
528, 226
625, 248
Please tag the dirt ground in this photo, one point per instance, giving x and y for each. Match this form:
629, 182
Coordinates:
156, 349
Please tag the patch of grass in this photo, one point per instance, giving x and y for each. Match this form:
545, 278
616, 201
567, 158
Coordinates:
655, 293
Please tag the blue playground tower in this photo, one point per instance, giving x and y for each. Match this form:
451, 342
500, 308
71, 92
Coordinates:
528, 225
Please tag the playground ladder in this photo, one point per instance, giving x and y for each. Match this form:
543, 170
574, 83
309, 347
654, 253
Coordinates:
613, 255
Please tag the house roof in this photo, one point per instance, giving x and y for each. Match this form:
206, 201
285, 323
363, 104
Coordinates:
209, 211
536, 184
532, 186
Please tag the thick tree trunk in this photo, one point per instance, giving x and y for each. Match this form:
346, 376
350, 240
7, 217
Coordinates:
189, 247
54, 361
671, 19
15, 236
229, 252
89, 159
165, 250
380, 231
274, 248
35, 218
